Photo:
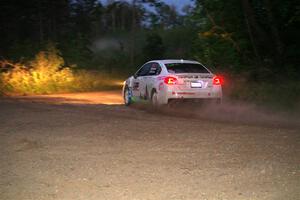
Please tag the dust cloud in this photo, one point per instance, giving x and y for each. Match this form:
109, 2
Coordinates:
229, 112
106, 44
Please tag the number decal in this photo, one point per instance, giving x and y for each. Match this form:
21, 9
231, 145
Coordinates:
136, 86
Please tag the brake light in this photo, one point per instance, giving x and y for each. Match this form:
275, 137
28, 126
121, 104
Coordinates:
170, 80
217, 80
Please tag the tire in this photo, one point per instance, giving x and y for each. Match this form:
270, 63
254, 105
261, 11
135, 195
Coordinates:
154, 99
127, 97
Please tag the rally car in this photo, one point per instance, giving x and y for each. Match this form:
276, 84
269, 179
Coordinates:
162, 81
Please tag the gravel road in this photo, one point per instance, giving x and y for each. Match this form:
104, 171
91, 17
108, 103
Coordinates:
89, 147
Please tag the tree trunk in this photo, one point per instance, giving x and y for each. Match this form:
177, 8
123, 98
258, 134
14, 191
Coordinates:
252, 38
274, 31
248, 10
41, 29
113, 18
133, 29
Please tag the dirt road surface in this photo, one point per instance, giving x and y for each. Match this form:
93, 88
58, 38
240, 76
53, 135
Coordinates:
88, 147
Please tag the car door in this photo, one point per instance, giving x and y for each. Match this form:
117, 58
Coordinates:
150, 80
138, 86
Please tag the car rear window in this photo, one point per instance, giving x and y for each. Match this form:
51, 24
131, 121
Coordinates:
177, 68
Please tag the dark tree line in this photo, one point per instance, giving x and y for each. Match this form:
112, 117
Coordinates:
236, 35
263, 34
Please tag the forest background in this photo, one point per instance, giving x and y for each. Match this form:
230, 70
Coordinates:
51, 46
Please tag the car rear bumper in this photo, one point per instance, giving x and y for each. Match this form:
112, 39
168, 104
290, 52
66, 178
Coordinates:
213, 93
197, 101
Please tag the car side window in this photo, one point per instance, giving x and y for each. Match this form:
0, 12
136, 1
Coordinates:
144, 70
155, 69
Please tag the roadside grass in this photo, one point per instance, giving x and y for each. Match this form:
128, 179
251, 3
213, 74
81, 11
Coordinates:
23, 82
279, 96
84, 81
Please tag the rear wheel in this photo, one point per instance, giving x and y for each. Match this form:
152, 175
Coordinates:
127, 97
154, 98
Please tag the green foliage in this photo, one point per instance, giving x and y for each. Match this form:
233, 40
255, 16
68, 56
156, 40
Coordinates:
219, 44
154, 47
76, 51
178, 42
217, 53
285, 95
1, 86
117, 60
94, 81
24, 49
46, 74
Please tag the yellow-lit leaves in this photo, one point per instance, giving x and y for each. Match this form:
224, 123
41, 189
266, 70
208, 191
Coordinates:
44, 74
216, 32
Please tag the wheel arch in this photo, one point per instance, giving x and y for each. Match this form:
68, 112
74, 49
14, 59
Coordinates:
152, 92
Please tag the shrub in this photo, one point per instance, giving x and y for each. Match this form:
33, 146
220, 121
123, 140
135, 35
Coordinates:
284, 95
46, 74
93, 80
1, 86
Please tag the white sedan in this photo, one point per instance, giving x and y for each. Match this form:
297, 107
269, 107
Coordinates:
161, 81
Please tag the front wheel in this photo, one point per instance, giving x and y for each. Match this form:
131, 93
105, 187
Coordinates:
127, 96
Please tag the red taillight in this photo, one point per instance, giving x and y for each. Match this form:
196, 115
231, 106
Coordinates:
217, 80
170, 80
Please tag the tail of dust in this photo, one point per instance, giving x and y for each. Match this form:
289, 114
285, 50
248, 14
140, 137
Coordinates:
229, 112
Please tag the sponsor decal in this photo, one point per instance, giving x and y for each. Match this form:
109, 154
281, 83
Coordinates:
135, 86
160, 86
